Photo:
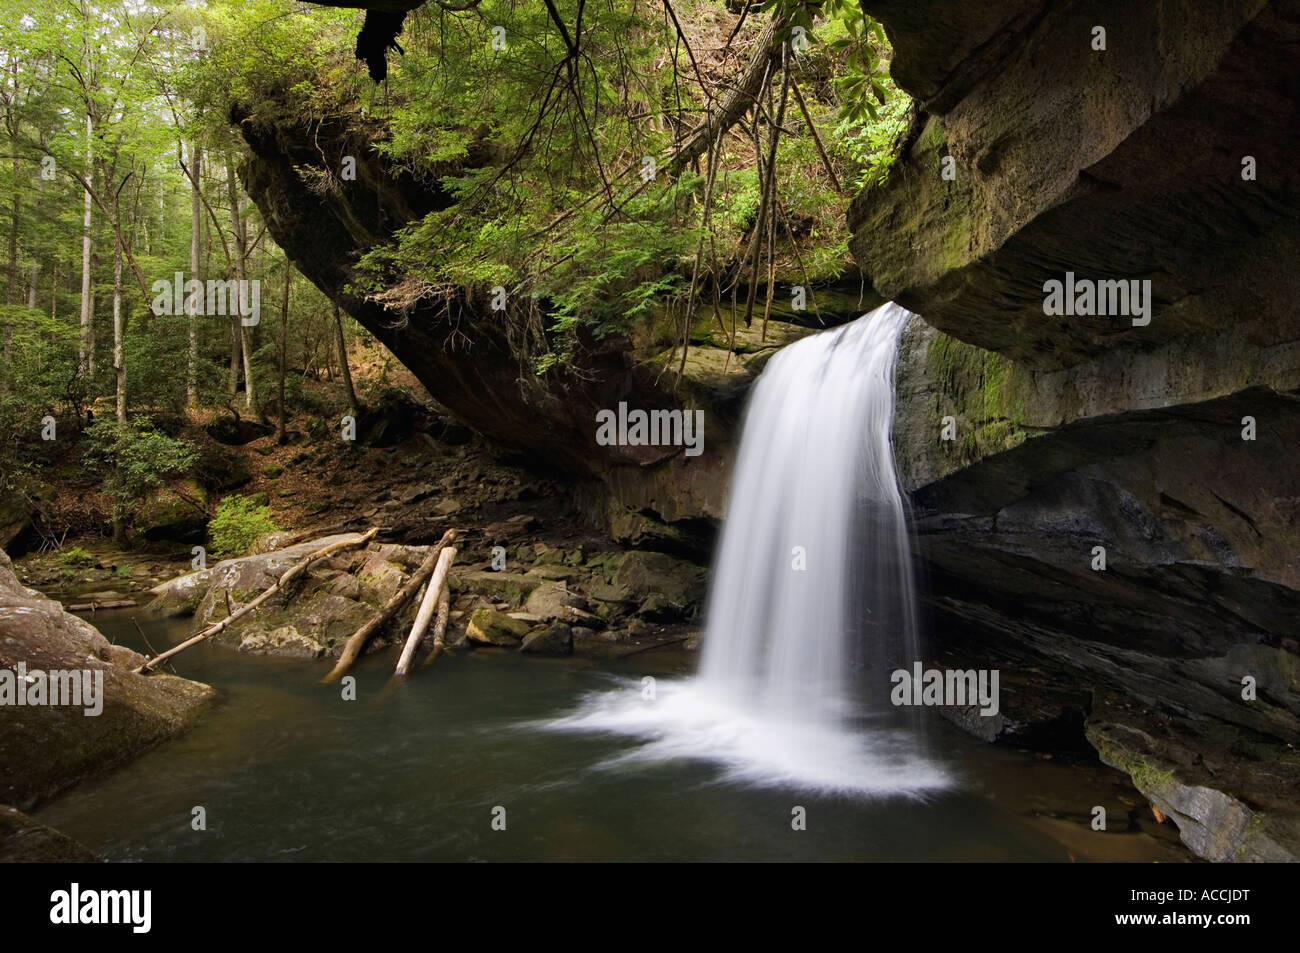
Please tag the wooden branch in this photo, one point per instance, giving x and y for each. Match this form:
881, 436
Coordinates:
93, 606
440, 625
288, 577
431, 596
817, 140
738, 101
357, 641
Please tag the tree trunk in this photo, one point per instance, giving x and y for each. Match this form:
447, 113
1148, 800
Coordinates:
11, 291
357, 641
196, 205
119, 330
243, 332
280, 436
85, 343
344, 370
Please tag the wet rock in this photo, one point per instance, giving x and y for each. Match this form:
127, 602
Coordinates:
24, 841
554, 639
1231, 796
508, 587
284, 641
492, 627
658, 608
677, 583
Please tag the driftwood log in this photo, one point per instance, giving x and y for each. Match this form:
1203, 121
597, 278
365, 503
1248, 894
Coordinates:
440, 625
358, 640
92, 606
432, 596
289, 575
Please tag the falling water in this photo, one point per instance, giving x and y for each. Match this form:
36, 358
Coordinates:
812, 600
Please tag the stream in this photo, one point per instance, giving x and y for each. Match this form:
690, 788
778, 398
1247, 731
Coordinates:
287, 770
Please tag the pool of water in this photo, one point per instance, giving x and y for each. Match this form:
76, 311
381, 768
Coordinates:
431, 767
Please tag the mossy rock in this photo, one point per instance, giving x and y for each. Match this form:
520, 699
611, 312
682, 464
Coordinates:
489, 626
178, 513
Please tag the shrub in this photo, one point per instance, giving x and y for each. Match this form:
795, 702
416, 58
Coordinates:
240, 522
75, 556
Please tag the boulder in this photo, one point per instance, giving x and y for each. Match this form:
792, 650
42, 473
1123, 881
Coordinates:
554, 600
330, 602
15, 517
46, 748
236, 433
679, 585
24, 841
178, 513
489, 626
511, 587
554, 639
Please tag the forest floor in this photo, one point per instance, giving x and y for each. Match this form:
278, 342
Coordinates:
414, 472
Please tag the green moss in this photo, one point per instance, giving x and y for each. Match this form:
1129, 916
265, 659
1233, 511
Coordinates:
1146, 777
977, 387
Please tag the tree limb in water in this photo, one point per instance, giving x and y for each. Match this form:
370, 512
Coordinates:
288, 577
432, 594
357, 641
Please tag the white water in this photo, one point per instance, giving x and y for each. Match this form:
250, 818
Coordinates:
797, 660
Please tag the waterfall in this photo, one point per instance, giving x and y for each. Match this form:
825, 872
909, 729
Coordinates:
811, 599
813, 576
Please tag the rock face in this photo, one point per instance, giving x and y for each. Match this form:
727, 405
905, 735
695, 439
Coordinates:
46, 748
1122, 163
24, 841
1165, 448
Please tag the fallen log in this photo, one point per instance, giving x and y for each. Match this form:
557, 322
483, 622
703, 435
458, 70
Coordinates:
357, 641
431, 596
92, 606
289, 575
440, 626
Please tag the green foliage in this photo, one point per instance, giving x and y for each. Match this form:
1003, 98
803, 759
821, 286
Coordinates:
135, 460
240, 522
858, 39
872, 146
75, 556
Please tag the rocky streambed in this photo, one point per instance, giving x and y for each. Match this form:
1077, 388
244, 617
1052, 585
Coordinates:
542, 600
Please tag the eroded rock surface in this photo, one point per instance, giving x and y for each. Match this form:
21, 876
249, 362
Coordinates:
1164, 449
